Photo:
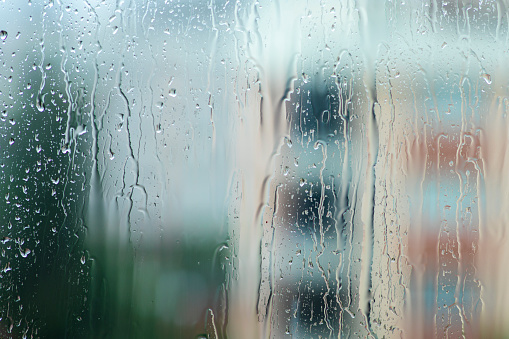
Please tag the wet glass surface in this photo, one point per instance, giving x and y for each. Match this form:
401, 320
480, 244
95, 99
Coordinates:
253, 169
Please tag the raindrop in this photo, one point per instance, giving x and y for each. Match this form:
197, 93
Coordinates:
3, 35
25, 253
81, 129
65, 148
172, 92
305, 78
487, 78
39, 103
288, 142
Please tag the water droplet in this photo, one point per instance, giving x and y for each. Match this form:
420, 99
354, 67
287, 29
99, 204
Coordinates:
3, 35
172, 92
82, 260
7, 267
288, 142
305, 78
39, 103
286, 171
81, 129
11, 141
65, 148
302, 182
25, 253
487, 78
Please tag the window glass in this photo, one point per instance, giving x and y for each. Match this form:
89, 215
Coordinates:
253, 169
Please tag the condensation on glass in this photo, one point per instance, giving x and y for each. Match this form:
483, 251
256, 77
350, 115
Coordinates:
254, 169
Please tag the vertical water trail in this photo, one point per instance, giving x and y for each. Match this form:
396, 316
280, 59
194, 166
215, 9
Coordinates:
458, 293
492, 187
343, 203
39, 103
211, 5
372, 21
261, 131
321, 212
95, 213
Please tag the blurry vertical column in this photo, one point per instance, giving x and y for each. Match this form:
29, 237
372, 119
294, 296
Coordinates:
384, 272
440, 69
112, 189
268, 45
333, 239
488, 152
162, 166
46, 54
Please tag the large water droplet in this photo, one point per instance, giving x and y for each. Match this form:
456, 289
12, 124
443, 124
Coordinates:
487, 78
3, 35
39, 103
24, 253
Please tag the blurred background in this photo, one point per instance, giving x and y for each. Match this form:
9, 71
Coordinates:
254, 169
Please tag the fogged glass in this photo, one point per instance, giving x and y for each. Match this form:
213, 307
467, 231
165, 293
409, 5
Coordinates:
254, 169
